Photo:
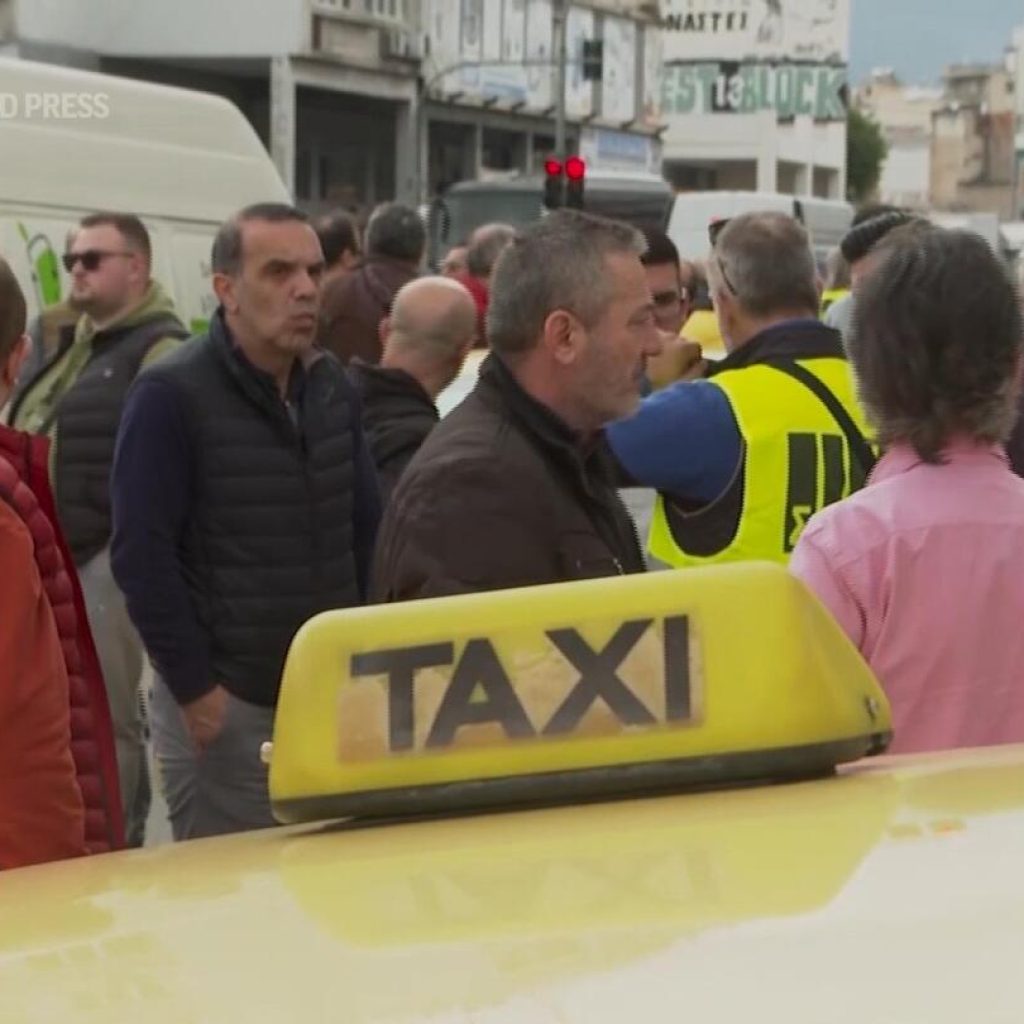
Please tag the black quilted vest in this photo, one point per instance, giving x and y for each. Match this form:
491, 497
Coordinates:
269, 542
87, 420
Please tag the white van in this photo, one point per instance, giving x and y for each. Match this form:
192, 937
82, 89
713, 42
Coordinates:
826, 220
74, 142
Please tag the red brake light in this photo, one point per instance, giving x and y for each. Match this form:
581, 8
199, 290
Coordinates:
575, 168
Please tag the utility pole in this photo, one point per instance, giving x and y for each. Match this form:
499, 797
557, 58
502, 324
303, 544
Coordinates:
558, 18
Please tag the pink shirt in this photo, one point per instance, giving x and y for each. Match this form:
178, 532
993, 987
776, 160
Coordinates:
924, 570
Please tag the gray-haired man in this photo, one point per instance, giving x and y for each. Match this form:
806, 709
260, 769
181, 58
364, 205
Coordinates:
745, 457
514, 488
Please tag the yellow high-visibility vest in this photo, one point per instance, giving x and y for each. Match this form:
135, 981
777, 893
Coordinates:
830, 296
796, 460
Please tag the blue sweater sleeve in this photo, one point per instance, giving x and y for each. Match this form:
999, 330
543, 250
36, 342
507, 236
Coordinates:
683, 440
151, 493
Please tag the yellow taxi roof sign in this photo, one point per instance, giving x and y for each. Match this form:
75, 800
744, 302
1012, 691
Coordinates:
568, 691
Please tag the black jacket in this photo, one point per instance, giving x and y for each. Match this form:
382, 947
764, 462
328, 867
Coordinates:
397, 417
502, 494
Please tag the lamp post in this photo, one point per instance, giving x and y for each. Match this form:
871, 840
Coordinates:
558, 18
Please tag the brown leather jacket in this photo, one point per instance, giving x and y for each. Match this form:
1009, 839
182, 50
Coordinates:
354, 304
502, 494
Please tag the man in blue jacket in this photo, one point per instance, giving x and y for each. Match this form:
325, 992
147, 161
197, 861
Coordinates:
245, 502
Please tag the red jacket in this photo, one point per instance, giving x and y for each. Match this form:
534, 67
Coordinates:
481, 298
25, 487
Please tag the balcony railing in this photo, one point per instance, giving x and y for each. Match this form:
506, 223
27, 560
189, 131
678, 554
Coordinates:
385, 13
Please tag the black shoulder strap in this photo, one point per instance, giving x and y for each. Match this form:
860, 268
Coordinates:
859, 447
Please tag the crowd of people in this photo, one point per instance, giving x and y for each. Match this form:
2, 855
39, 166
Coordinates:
211, 494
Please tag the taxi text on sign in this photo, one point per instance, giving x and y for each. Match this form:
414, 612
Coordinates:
484, 691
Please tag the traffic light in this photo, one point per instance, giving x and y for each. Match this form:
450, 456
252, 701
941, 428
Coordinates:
575, 173
593, 60
554, 184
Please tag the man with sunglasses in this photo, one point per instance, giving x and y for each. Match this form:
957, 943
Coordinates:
743, 458
127, 321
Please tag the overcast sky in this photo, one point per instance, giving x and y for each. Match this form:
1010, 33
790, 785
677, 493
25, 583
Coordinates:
920, 37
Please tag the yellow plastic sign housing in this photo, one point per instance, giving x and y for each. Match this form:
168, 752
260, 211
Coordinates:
568, 692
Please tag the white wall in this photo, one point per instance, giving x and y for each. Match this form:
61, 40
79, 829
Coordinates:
720, 136
761, 139
906, 174
805, 141
185, 28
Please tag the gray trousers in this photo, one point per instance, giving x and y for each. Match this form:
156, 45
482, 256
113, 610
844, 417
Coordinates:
120, 651
223, 788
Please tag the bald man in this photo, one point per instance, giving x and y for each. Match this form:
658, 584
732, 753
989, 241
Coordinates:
425, 339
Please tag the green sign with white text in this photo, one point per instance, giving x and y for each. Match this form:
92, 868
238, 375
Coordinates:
730, 87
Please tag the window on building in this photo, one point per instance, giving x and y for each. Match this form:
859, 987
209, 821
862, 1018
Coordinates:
503, 151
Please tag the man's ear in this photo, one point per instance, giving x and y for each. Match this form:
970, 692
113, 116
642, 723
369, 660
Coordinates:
384, 331
224, 289
140, 265
562, 336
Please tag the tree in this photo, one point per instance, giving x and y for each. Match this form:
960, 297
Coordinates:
866, 150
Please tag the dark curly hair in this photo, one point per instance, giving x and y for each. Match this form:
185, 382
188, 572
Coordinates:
936, 340
866, 234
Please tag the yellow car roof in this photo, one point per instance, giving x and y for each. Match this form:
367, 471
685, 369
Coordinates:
891, 892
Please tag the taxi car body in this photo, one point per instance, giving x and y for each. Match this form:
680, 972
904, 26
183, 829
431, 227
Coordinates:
891, 892
886, 890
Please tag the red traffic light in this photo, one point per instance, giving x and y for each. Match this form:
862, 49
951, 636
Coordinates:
575, 168
553, 168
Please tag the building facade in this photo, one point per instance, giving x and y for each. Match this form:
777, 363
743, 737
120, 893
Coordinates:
904, 114
973, 151
364, 100
489, 87
755, 95
329, 85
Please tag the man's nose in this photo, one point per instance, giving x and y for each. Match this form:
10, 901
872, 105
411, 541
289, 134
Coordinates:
306, 285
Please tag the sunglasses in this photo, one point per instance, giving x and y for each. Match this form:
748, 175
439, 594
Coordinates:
91, 258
